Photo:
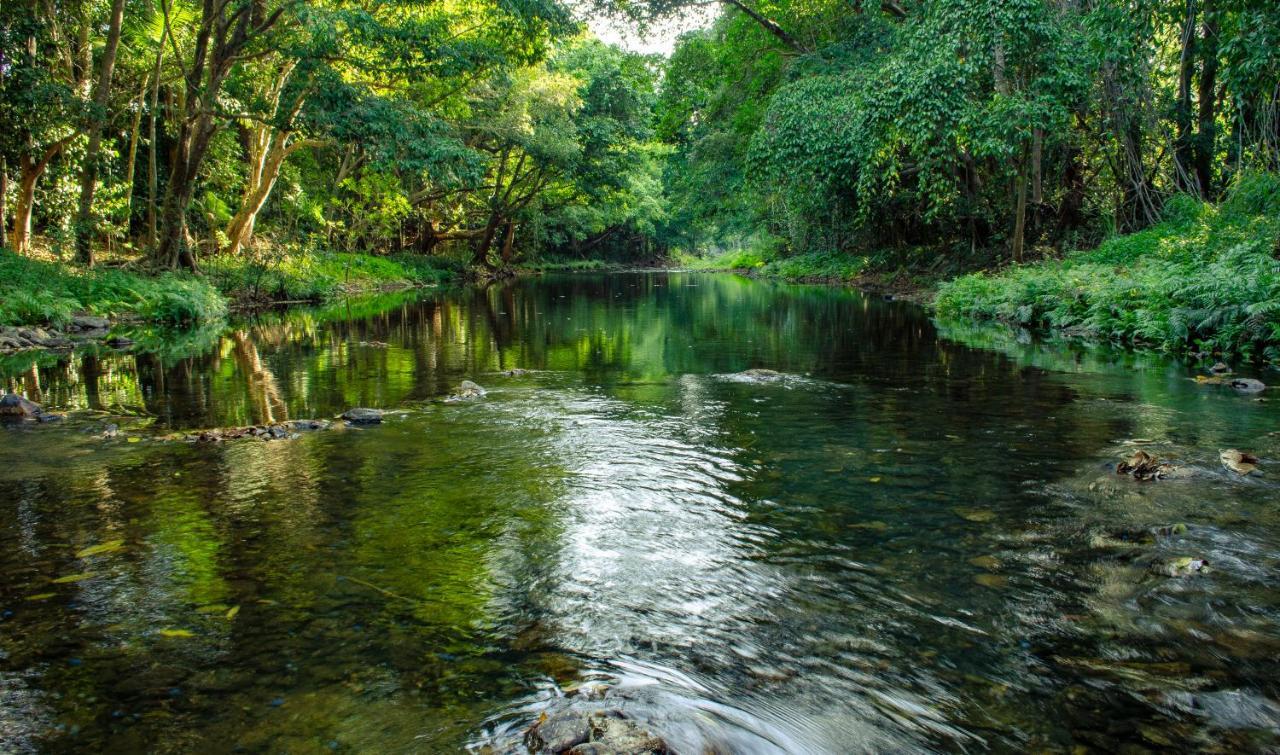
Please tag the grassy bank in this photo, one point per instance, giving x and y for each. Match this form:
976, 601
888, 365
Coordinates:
49, 292
823, 266
1207, 278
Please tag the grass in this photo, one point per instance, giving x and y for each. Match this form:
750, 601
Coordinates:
320, 276
557, 265
829, 266
1207, 278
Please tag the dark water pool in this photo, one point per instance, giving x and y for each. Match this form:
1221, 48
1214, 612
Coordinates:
914, 540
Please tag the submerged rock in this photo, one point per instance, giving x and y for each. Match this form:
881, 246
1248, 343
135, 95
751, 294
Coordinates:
1248, 385
516, 372
279, 431
600, 732
363, 416
1143, 466
1185, 566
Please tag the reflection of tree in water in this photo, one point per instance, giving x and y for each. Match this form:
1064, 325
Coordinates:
269, 407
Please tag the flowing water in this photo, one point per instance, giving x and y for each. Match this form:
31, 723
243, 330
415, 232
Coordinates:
914, 539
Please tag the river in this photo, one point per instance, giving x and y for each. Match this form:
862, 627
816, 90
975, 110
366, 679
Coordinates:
912, 539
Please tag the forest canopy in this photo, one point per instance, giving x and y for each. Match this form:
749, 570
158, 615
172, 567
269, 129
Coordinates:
960, 133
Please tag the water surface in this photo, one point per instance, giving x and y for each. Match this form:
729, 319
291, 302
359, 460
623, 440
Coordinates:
915, 540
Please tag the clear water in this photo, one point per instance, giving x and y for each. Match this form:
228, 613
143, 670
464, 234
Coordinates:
914, 541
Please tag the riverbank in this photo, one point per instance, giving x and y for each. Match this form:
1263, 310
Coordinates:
52, 293
1205, 280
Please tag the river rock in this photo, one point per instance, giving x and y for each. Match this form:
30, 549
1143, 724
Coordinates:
467, 391
559, 732
363, 416
34, 336
1248, 385
1220, 369
602, 732
89, 322
13, 405
1180, 567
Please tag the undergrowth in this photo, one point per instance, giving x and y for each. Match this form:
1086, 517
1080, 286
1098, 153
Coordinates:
1207, 278
770, 264
49, 293
319, 276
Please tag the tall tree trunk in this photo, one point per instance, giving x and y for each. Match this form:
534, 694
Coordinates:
29, 171
130, 166
23, 203
481, 258
85, 226
1206, 134
268, 147
1037, 176
1020, 211
1184, 148
4, 192
265, 164
507, 243
153, 171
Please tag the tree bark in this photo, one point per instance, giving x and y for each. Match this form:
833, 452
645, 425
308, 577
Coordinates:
1020, 213
507, 242
1206, 126
4, 192
85, 226
225, 29
29, 172
1183, 148
131, 162
153, 171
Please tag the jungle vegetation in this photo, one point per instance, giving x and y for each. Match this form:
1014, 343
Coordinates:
253, 141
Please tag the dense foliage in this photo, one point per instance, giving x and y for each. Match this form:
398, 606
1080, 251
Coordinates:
982, 129
267, 141
193, 132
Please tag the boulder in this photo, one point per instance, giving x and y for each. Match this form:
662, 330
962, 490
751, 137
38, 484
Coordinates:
13, 405
363, 416
559, 732
467, 391
601, 732
89, 322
